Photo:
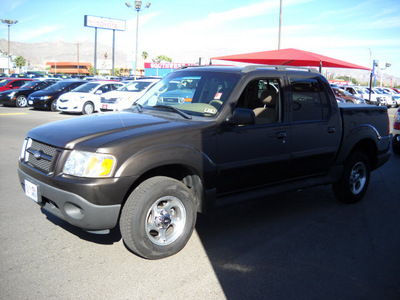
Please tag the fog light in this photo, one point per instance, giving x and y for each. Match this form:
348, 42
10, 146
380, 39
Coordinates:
73, 211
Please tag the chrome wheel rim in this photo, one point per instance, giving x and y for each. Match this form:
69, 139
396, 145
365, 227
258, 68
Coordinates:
88, 109
358, 178
21, 101
165, 220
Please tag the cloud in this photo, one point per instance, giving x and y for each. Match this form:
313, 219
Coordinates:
15, 4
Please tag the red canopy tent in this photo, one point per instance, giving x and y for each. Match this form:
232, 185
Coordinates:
290, 57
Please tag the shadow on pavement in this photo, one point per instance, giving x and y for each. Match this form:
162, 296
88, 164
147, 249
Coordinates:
303, 245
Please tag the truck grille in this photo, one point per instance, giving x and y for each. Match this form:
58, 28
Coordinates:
39, 155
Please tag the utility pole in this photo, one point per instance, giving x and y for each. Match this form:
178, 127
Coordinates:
77, 46
280, 25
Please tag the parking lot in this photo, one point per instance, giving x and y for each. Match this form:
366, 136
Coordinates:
299, 245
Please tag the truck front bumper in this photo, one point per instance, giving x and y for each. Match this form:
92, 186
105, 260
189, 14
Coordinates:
71, 207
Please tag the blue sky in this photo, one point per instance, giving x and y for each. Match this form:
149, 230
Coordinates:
352, 30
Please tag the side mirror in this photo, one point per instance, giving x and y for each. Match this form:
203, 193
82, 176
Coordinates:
242, 116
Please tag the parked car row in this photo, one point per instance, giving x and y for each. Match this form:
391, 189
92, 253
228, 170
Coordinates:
19, 97
73, 95
379, 96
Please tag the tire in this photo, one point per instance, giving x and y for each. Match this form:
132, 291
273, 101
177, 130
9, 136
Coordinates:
21, 101
88, 108
355, 178
158, 218
53, 105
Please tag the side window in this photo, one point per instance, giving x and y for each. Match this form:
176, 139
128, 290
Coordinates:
105, 88
309, 101
18, 83
263, 97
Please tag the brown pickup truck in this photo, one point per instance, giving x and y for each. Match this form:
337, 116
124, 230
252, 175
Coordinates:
202, 137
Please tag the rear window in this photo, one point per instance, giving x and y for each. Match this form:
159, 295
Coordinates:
309, 100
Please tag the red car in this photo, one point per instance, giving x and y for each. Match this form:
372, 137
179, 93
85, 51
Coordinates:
13, 83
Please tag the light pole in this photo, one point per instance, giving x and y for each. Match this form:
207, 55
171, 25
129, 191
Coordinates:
77, 54
387, 65
8, 23
138, 5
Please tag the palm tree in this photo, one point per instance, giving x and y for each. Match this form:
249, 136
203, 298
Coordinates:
20, 62
145, 55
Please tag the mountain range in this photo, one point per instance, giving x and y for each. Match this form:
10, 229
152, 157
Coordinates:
37, 54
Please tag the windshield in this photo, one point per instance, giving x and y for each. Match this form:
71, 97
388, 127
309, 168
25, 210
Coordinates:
30, 84
58, 87
135, 86
5, 82
194, 93
360, 90
86, 88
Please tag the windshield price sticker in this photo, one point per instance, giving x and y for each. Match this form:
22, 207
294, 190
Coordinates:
31, 190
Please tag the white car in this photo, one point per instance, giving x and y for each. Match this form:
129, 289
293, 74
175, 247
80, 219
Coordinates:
85, 99
125, 96
396, 133
356, 91
376, 98
389, 100
395, 94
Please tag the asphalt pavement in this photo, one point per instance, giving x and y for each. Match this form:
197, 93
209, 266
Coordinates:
298, 245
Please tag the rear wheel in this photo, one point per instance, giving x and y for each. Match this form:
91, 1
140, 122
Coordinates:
355, 179
88, 108
21, 101
158, 218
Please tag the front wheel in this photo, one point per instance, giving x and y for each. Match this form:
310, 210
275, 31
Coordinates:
158, 218
53, 105
355, 179
21, 101
88, 108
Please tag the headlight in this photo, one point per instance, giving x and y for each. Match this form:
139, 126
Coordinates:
89, 164
45, 97
11, 94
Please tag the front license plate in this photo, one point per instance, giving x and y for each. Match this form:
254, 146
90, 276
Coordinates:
31, 190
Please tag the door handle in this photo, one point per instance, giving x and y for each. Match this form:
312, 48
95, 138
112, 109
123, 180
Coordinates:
331, 129
281, 135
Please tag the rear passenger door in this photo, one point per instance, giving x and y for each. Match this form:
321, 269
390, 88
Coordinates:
315, 128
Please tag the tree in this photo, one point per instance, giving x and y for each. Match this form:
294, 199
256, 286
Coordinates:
117, 72
161, 58
91, 71
20, 62
145, 55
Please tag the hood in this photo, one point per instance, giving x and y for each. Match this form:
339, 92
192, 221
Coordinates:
75, 95
46, 93
7, 92
68, 133
122, 94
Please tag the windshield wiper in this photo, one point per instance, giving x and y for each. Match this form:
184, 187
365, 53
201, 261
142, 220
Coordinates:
173, 109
